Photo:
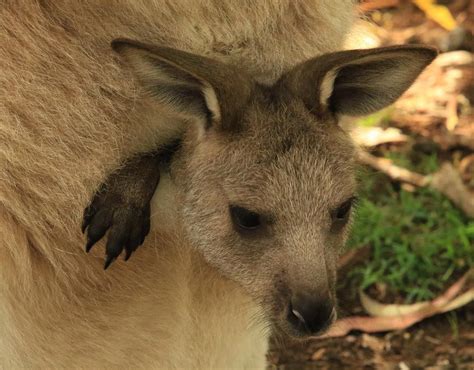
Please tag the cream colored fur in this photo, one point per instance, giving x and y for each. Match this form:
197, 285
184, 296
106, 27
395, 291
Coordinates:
69, 114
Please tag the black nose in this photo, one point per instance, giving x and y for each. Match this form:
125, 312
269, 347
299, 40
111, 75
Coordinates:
310, 316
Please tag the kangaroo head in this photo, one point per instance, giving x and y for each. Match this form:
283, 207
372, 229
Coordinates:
266, 173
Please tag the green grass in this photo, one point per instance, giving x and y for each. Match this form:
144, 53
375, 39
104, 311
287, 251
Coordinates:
453, 323
414, 161
379, 118
419, 240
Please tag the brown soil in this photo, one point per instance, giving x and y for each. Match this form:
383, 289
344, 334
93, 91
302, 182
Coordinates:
436, 343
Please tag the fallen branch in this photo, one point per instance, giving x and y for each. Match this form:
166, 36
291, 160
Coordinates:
447, 180
394, 172
393, 319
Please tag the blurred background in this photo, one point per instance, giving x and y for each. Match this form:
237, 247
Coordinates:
406, 282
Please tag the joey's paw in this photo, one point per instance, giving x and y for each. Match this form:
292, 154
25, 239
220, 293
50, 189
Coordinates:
127, 225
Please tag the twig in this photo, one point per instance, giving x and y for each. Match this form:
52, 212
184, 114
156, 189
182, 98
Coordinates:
447, 180
394, 172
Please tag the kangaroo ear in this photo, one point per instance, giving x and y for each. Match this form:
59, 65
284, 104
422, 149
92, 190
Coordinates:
188, 84
357, 82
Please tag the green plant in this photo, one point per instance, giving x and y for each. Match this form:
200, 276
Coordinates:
413, 161
379, 118
419, 239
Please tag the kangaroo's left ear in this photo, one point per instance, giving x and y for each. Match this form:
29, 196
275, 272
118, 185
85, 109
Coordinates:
357, 82
191, 85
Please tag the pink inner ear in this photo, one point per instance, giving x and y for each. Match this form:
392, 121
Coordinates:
327, 86
212, 102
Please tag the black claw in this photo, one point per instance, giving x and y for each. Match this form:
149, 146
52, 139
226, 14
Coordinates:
146, 222
118, 239
89, 245
128, 253
84, 225
93, 238
129, 249
108, 261
97, 227
87, 217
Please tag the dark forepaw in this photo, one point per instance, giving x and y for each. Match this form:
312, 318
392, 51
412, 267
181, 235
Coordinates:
127, 228
121, 208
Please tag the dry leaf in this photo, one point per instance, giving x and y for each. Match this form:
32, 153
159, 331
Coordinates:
374, 308
438, 13
373, 136
375, 344
448, 181
318, 355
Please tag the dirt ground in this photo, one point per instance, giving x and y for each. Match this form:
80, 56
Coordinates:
433, 111
431, 344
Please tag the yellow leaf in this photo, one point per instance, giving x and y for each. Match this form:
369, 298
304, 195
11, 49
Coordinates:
438, 13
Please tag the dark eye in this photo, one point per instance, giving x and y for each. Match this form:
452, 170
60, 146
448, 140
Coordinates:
244, 219
342, 212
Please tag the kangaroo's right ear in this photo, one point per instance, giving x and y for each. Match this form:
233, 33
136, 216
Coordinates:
357, 82
190, 85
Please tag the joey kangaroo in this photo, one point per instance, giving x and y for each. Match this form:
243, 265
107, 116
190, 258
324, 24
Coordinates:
230, 111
